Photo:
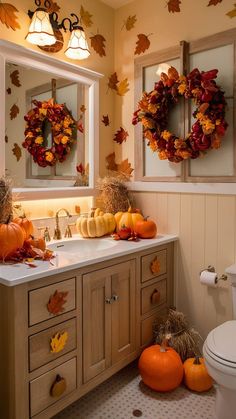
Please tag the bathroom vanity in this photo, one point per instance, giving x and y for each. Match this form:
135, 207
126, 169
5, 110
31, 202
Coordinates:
69, 324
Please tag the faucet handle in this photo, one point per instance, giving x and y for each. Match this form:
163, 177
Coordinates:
46, 233
68, 232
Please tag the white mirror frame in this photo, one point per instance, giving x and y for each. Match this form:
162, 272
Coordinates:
12, 53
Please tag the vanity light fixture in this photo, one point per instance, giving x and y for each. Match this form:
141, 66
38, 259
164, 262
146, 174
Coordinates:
41, 31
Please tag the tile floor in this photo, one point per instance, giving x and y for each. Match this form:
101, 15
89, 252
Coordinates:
124, 396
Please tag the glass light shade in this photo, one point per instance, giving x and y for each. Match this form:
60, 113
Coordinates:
162, 68
77, 46
40, 30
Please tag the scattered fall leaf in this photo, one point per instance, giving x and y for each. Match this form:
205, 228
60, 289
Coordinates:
120, 136
111, 163
58, 342
98, 44
8, 90
53, 7
174, 6
232, 13
214, 2
125, 168
17, 151
56, 302
113, 81
142, 44
15, 78
14, 111
123, 87
82, 109
105, 120
130, 22
6, 139
85, 17
80, 126
7, 16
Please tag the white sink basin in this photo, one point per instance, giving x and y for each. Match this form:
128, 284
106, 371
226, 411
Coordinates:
82, 246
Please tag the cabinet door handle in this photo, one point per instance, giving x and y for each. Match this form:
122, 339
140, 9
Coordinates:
108, 300
155, 296
115, 297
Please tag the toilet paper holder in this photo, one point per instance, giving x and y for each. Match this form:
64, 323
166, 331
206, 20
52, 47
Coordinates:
211, 268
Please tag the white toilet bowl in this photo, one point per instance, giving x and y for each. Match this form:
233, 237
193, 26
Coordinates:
219, 351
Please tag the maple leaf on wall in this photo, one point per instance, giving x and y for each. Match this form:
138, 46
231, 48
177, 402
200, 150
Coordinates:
113, 81
214, 2
125, 168
7, 16
98, 44
232, 13
86, 17
142, 44
121, 136
17, 151
111, 163
14, 111
53, 7
129, 23
174, 6
15, 78
123, 87
105, 120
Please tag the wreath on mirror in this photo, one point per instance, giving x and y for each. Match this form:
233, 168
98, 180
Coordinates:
63, 128
208, 129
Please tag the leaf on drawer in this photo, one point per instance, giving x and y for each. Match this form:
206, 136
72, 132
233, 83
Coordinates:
155, 266
56, 302
58, 342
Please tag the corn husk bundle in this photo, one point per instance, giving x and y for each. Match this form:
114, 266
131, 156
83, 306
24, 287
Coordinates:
183, 338
6, 211
113, 194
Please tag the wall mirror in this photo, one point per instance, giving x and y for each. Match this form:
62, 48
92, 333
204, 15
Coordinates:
32, 83
206, 54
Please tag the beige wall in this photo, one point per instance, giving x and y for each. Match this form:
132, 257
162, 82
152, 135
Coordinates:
205, 223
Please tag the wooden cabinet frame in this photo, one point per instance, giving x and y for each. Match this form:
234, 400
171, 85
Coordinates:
183, 52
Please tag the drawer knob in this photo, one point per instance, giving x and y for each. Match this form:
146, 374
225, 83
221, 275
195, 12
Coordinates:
56, 302
58, 342
58, 387
155, 297
155, 266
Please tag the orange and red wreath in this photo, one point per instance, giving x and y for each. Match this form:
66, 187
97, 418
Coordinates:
208, 129
63, 128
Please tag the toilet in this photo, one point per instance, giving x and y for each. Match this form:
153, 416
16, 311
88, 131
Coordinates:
219, 351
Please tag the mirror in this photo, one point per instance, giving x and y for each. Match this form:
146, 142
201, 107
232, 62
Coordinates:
51, 121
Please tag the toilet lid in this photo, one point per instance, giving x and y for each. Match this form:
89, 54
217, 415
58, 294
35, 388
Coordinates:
221, 341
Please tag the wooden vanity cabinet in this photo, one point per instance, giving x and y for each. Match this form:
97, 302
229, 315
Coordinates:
106, 311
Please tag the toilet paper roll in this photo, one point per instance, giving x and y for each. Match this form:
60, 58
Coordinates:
209, 278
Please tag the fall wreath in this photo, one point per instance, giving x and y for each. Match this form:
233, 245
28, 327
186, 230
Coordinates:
208, 129
63, 129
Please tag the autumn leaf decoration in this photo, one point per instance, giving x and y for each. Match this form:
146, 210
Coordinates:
173, 6
232, 13
15, 78
56, 302
86, 17
121, 88
120, 136
214, 2
105, 120
155, 266
98, 44
142, 44
53, 7
130, 22
113, 81
58, 342
17, 151
14, 111
7, 16
123, 168
80, 125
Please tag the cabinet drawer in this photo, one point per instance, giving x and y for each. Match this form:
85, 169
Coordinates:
153, 296
52, 343
51, 301
41, 387
147, 335
154, 265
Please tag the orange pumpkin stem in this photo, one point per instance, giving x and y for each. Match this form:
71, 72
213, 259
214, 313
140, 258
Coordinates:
145, 218
197, 360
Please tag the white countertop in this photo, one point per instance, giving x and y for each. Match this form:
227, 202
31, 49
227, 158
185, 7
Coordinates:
18, 273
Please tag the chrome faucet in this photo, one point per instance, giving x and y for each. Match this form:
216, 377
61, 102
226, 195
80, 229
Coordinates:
57, 231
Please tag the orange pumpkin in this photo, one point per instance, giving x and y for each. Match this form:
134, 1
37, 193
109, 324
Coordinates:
196, 377
146, 229
26, 225
39, 243
11, 239
127, 219
161, 367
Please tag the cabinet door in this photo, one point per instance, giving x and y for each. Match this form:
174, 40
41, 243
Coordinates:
123, 310
96, 323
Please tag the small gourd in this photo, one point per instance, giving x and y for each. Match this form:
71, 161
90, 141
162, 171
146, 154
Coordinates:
196, 377
127, 219
96, 226
26, 225
146, 229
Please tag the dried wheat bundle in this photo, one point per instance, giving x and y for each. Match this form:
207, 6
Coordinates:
114, 194
183, 338
5, 200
